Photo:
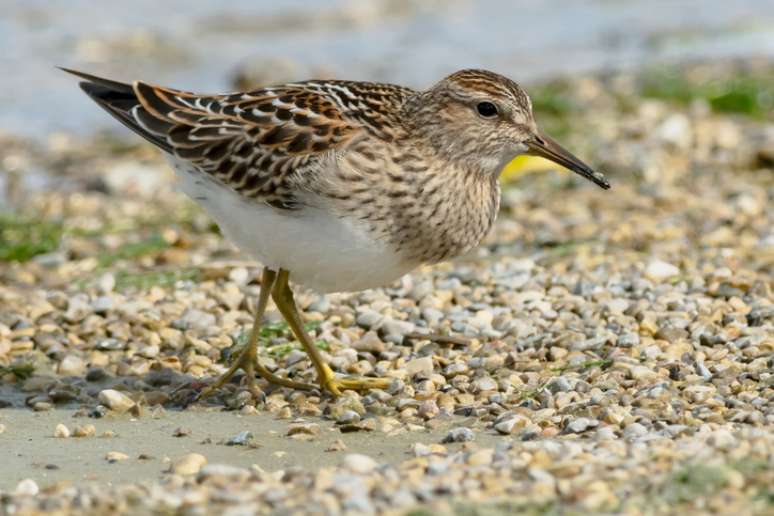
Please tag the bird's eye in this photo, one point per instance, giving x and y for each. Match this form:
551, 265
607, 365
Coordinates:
486, 109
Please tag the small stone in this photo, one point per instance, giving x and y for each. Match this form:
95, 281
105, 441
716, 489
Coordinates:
181, 432
369, 319
658, 270
303, 429
115, 400
481, 457
223, 471
196, 320
557, 353
336, 446
428, 409
676, 130
26, 487
628, 340
559, 384
241, 439
42, 406
96, 374
84, 431
61, 431
640, 372
395, 330
348, 417
189, 464
511, 424
71, 365
369, 342
102, 304
2, 428
484, 383
459, 435
420, 450
358, 463
422, 365
722, 439
634, 430
580, 425
605, 433
115, 456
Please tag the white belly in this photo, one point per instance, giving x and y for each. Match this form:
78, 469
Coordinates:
321, 251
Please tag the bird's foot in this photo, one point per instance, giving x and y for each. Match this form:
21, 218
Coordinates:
333, 384
247, 361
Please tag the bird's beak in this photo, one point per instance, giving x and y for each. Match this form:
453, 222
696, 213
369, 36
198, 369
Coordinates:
545, 147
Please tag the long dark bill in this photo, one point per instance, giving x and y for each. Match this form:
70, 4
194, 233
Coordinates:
548, 148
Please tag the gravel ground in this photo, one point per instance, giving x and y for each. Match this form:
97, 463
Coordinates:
601, 351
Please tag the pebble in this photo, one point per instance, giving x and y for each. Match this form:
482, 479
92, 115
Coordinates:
634, 430
61, 431
84, 431
511, 424
71, 365
580, 425
26, 487
115, 456
348, 417
658, 270
241, 439
358, 463
304, 429
459, 435
336, 446
189, 464
116, 401
422, 365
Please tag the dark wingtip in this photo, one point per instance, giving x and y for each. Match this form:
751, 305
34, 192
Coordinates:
116, 86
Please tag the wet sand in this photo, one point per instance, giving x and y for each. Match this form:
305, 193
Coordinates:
30, 449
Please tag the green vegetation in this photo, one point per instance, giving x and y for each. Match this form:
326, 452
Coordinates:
132, 250
23, 238
147, 279
553, 106
751, 95
270, 333
22, 370
694, 480
603, 363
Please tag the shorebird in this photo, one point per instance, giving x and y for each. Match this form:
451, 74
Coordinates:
344, 185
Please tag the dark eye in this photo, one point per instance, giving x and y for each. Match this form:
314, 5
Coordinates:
486, 109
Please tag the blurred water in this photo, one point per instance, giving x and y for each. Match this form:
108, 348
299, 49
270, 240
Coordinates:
197, 44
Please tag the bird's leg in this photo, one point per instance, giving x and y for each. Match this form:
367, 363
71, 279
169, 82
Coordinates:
248, 357
283, 298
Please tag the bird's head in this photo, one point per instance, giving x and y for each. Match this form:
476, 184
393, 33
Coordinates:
485, 120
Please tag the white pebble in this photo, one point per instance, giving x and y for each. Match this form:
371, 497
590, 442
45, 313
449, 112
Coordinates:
115, 400
459, 435
61, 431
27, 487
71, 365
115, 456
358, 463
189, 464
658, 270
422, 365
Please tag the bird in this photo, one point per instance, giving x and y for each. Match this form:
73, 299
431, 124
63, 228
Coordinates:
340, 185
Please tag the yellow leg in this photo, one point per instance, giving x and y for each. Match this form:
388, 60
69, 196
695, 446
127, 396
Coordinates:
248, 357
283, 298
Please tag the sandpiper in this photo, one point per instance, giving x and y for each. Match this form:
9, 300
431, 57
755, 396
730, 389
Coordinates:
341, 185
